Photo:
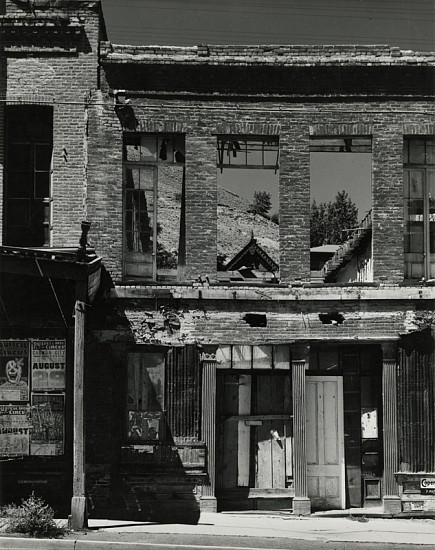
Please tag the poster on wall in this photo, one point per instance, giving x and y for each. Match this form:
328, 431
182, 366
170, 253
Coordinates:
369, 423
48, 425
48, 365
14, 430
14, 370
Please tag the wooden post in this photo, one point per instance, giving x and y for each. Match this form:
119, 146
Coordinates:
391, 499
78, 502
301, 502
208, 500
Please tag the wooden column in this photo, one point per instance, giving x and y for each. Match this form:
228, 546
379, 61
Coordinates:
208, 500
78, 502
301, 502
391, 500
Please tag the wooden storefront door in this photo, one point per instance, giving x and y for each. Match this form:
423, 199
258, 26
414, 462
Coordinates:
254, 441
325, 442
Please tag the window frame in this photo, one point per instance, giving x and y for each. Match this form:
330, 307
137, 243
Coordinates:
425, 168
138, 164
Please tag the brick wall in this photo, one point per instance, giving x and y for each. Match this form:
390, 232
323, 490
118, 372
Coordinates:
293, 122
62, 80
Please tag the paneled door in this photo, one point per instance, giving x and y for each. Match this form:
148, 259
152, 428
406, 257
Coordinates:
325, 442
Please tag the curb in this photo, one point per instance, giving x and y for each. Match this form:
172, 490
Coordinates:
11, 543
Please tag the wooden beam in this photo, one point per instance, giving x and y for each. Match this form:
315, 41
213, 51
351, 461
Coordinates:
240, 417
78, 502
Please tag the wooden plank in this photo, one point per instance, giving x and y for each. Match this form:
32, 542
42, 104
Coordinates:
288, 446
240, 417
264, 449
230, 432
244, 432
278, 455
78, 502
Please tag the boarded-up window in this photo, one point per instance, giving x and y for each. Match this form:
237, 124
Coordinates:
183, 392
416, 411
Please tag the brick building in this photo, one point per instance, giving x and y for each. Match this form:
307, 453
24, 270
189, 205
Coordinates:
243, 387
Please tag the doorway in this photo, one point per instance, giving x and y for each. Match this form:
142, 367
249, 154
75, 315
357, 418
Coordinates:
325, 442
254, 467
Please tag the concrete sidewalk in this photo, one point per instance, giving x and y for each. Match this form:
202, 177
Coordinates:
284, 525
257, 524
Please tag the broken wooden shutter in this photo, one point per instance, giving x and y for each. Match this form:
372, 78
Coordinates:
415, 411
183, 392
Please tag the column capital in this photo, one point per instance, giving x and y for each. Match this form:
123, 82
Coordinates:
208, 353
389, 352
300, 352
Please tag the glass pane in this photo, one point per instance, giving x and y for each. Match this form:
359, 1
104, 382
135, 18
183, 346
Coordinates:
416, 241
242, 357
43, 157
405, 152
416, 184
430, 152
139, 218
281, 358
432, 236
417, 270
431, 190
20, 184
223, 357
147, 177
262, 357
417, 151
406, 184
42, 185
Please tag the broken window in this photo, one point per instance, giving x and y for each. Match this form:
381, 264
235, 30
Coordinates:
154, 181
248, 208
29, 147
340, 230
419, 194
164, 395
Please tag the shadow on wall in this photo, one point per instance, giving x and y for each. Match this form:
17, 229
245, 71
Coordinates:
143, 471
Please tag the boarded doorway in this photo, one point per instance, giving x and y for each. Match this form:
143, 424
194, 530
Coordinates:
254, 441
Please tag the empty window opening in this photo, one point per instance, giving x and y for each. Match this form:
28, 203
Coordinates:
419, 208
28, 168
154, 187
248, 208
341, 202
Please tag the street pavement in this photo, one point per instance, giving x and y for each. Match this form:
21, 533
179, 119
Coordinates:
276, 528
224, 530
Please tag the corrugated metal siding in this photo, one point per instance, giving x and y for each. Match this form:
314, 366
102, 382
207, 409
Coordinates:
416, 411
183, 392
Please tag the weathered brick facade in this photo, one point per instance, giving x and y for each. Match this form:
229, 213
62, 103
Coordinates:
56, 53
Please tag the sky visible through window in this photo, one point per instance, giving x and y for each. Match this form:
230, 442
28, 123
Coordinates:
408, 25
